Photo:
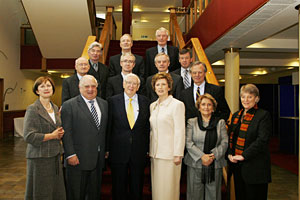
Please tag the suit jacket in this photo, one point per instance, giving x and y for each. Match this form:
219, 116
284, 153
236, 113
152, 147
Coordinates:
256, 168
176, 90
126, 143
115, 67
187, 97
150, 64
195, 139
37, 123
101, 75
178, 72
82, 136
70, 88
167, 135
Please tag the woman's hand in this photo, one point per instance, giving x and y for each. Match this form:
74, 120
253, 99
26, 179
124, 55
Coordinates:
177, 160
207, 159
230, 157
235, 159
58, 133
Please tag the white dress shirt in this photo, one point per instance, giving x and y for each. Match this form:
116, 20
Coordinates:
159, 49
135, 104
202, 87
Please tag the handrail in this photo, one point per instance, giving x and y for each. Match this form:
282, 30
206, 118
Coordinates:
106, 35
175, 32
92, 14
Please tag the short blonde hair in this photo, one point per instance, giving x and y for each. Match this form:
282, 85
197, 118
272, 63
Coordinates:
162, 75
206, 96
251, 89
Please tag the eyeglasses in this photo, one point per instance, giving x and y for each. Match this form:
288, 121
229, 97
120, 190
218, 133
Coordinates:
128, 61
82, 64
131, 83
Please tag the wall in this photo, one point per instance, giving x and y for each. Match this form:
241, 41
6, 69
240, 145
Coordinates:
20, 95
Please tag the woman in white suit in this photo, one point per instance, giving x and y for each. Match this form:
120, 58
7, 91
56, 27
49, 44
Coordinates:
167, 140
206, 144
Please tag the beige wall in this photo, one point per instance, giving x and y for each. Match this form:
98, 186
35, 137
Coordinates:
139, 31
18, 82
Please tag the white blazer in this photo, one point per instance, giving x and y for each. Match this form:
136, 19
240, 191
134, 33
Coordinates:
167, 134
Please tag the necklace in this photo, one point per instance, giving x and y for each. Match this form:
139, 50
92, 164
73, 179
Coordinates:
49, 107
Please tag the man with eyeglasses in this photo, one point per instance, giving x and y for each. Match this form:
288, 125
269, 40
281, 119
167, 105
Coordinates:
70, 85
97, 69
128, 139
190, 95
115, 83
114, 61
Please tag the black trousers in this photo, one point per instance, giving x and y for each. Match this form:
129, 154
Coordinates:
84, 184
245, 191
127, 180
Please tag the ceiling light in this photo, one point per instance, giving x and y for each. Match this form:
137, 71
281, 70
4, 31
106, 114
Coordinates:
290, 67
259, 72
219, 62
165, 21
256, 45
137, 9
144, 20
65, 76
52, 71
222, 80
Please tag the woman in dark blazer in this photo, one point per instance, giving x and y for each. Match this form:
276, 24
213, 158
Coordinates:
43, 132
248, 151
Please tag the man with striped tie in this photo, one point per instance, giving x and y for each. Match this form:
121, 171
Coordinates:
190, 95
185, 60
128, 140
84, 119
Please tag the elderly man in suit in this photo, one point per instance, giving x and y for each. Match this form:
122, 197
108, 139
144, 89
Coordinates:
162, 47
70, 87
162, 63
114, 61
115, 83
97, 69
190, 95
129, 139
185, 60
84, 119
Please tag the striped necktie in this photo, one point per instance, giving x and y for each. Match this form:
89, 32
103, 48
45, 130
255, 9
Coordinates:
94, 113
186, 80
198, 93
130, 114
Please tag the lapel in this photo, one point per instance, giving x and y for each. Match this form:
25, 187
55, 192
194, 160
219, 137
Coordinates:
170, 53
122, 109
75, 83
142, 110
190, 95
44, 114
101, 107
85, 110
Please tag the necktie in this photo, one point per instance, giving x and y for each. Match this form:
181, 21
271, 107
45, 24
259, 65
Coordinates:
95, 66
163, 50
198, 93
186, 80
130, 114
94, 113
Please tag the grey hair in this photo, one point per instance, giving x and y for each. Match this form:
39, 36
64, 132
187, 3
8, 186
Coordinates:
95, 44
80, 58
199, 63
132, 75
127, 54
162, 29
161, 54
87, 77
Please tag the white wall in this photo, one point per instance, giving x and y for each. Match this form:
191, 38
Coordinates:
12, 16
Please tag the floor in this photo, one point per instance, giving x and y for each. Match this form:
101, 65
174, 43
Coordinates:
284, 184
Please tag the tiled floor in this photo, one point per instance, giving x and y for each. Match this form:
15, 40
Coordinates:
13, 174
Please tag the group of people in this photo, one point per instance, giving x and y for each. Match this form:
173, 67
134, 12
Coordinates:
130, 111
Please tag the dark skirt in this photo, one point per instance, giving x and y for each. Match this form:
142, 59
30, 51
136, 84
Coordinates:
45, 179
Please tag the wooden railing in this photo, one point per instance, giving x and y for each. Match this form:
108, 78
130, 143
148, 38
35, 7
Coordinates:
175, 32
107, 34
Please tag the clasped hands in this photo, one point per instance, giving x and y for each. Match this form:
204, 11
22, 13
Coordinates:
236, 158
207, 159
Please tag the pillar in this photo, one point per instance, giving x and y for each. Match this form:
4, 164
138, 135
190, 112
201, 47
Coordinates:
297, 8
126, 16
232, 82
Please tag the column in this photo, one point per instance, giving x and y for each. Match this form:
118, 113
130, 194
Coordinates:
297, 8
126, 16
232, 82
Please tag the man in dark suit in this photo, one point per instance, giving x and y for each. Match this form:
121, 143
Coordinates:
162, 63
129, 140
84, 119
70, 87
114, 61
200, 86
115, 83
185, 60
162, 47
97, 69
